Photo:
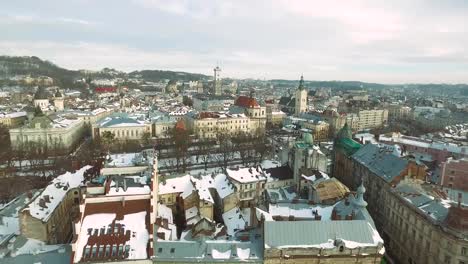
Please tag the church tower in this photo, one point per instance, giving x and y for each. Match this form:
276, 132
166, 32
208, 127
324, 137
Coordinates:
217, 81
301, 98
58, 101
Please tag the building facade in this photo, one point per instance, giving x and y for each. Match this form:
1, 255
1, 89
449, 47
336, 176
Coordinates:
454, 174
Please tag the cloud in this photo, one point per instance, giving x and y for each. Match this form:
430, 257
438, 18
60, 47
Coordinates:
34, 19
381, 41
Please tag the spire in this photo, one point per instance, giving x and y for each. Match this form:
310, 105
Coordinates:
345, 132
359, 201
301, 83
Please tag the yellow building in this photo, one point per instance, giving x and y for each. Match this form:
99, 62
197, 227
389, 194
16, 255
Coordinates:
13, 120
49, 216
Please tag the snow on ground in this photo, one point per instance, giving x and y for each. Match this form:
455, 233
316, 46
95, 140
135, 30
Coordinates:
43, 206
33, 246
268, 164
246, 215
122, 160
9, 225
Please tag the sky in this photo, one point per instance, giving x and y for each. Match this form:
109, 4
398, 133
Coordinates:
398, 41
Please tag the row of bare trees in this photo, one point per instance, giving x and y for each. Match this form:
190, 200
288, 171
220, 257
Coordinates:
36, 158
189, 151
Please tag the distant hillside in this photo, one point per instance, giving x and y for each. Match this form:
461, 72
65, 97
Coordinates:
11, 66
34, 66
338, 85
157, 75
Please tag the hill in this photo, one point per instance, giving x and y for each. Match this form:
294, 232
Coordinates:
157, 75
11, 66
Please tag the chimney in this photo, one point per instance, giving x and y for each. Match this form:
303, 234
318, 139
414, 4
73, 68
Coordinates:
459, 199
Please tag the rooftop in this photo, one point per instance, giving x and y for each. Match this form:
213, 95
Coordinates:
318, 234
44, 205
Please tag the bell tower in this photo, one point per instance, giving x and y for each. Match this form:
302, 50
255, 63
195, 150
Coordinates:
301, 98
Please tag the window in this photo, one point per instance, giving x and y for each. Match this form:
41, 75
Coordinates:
172, 250
86, 251
120, 250
114, 250
447, 259
463, 251
101, 251
159, 250
94, 252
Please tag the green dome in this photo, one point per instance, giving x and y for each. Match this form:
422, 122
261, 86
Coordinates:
308, 138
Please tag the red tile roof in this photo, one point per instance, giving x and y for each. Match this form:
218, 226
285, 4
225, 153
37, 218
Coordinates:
247, 102
180, 125
207, 115
108, 240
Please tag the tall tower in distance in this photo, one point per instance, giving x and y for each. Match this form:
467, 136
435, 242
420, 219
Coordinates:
217, 81
301, 98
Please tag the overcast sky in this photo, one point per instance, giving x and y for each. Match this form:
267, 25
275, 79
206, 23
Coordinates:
378, 41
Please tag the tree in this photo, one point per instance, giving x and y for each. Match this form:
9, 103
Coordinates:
203, 152
187, 101
226, 153
181, 140
107, 139
6, 155
146, 138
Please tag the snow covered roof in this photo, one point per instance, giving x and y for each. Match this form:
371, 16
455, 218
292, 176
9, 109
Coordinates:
120, 227
300, 210
234, 221
246, 175
128, 185
44, 205
220, 182
120, 121
165, 212
13, 115
181, 184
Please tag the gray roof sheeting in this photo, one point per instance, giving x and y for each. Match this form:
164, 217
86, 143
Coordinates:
313, 233
380, 161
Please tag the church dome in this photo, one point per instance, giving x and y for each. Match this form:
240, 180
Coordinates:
308, 138
58, 94
41, 94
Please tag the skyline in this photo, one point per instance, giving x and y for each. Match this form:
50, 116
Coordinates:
417, 42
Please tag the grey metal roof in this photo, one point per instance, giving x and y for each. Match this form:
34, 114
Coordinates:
201, 251
436, 209
380, 161
307, 233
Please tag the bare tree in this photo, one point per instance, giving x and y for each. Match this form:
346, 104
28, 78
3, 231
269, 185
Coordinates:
6, 155
226, 153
